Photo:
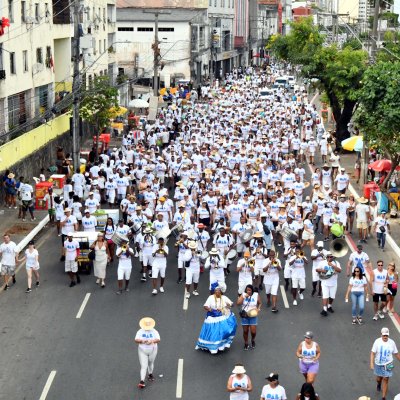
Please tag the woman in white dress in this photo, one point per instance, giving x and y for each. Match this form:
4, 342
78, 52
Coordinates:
239, 384
102, 258
32, 264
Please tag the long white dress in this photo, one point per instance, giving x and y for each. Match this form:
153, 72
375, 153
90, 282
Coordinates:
100, 262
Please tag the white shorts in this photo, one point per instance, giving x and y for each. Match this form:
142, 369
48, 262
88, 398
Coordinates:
258, 271
328, 291
156, 270
124, 273
147, 260
272, 288
315, 276
287, 272
71, 266
298, 283
307, 236
192, 276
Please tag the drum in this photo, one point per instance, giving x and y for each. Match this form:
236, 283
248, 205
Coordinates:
117, 238
231, 256
176, 230
246, 235
204, 256
288, 234
163, 233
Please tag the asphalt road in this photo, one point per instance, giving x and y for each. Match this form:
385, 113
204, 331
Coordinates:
95, 357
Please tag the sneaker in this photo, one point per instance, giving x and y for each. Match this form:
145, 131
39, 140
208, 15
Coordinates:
274, 309
381, 315
149, 274
28, 290
72, 284
179, 280
161, 289
23, 219
97, 281
33, 219
360, 320
295, 302
195, 293
127, 289
375, 317
253, 344
354, 321
246, 347
143, 279
37, 284
301, 296
118, 292
331, 310
6, 287
324, 313
14, 280
150, 378
154, 292
187, 295
384, 310
141, 385
103, 285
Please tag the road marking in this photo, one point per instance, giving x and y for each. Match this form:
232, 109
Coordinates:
179, 379
83, 305
284, 298
47, 385
185, 301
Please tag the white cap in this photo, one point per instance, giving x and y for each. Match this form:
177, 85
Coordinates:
320, 243
385, 331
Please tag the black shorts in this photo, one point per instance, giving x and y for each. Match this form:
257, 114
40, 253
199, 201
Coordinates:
379, 296
393, 291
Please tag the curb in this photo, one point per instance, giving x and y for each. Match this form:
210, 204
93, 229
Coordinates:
24, 242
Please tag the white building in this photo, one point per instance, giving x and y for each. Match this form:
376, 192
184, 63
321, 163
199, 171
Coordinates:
36, 56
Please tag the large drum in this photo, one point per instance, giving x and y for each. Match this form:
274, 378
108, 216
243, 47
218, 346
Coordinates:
117, 238
163, 233
231, 256
176, 230
204, 255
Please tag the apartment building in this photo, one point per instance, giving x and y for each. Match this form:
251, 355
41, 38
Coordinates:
36, 55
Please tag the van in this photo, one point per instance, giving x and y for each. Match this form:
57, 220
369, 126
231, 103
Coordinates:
281, 81
266, 94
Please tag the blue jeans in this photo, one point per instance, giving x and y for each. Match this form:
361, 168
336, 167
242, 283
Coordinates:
357, 299
381, 236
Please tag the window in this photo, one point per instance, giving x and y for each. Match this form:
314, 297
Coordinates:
46, 10
23, 11
100, 47
142, 29
39, 55
37, 12
12, 63
25, 60
166, 29
48, 57
11, 10
125, 29
223, 3
42, 99
215, 3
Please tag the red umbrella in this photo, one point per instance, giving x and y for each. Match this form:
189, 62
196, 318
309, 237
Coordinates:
381, 165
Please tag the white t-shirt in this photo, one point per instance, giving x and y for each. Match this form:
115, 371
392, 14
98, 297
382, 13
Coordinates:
362, 210
384, 351
26, 191
31, 258
70, 249
151, 334
277, 393
8, 253
358, 284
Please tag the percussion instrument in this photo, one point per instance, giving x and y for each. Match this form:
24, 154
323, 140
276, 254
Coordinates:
232, 255
136, 227
288, 234
204, 256
192, 234
246, 235
327, 274
176, 230
252, 313
163, 233
117, 238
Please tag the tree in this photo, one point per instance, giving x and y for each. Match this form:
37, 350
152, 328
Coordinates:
96, 104
339, 71
378, 114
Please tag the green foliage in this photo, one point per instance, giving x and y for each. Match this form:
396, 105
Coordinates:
353, 43
378, 115
96, 102
391, 47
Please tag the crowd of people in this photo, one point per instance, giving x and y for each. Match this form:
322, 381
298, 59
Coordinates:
224, 183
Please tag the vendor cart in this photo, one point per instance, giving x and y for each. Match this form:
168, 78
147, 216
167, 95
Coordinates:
85, 240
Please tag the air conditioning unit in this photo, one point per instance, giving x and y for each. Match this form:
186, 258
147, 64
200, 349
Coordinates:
2, 74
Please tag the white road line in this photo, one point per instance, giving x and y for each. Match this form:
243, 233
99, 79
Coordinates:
179, 379
284, 298
185, 301
47, 385
83, 305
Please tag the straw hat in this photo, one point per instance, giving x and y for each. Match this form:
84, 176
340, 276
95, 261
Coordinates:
214, 251
192, 245
147, 323
10, 175
362, 200
239, 369
258, 235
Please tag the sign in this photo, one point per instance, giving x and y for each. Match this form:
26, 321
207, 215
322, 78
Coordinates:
216, 37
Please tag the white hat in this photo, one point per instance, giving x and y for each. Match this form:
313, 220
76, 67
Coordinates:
385, 331
320, 243
87, 211
221, 286
214, 251
184, 233
239, 369
192, 245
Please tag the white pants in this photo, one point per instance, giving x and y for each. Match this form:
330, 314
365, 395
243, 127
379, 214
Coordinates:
298, 283
328, 291
124, 273
192, 276
272, 288
146, 360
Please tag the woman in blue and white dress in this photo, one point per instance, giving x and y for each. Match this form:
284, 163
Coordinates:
219, 327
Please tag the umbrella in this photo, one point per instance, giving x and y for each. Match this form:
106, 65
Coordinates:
381, 165
138, 103
354, 143
117, 111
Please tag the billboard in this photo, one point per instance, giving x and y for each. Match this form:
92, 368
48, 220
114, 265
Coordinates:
162, 4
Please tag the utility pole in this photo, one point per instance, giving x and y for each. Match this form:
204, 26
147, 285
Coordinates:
374, 35
156, 56
76, 82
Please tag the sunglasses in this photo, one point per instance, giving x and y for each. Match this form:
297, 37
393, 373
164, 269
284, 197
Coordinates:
380, 265
357, 270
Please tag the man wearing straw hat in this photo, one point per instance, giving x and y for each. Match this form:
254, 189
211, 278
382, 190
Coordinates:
147, 338
363, 216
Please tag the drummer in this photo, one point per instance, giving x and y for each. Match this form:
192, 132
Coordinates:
223, 242
238, 232
146, 243
183, 249
159, 224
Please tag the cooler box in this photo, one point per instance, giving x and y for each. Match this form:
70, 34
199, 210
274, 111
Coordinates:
40, 204
41, 189
58, 181
104, 138
370, 188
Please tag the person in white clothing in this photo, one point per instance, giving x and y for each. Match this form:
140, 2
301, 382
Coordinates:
378, 287
32, 264
192, 266
89, 222
328, 271
159, 253
216, 264
147, 338
298, 263
273, 390
8, 258
239, 384
245, 269
124, 254
318, 256
70, 255
271, 279
146, 242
